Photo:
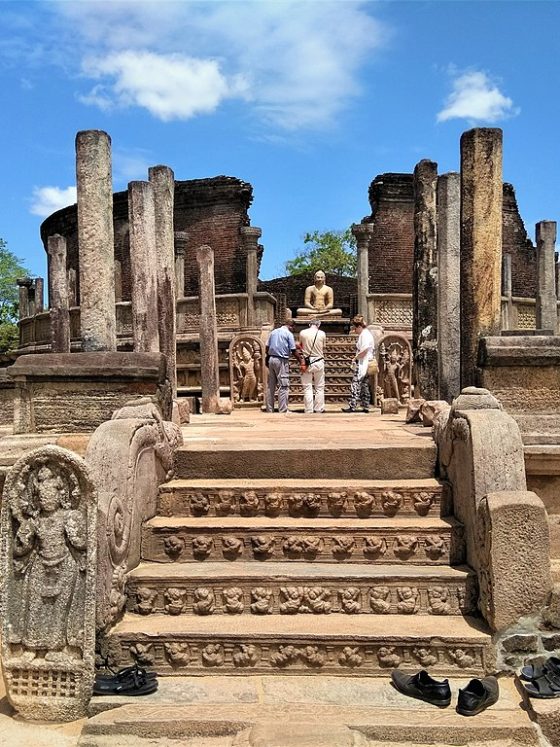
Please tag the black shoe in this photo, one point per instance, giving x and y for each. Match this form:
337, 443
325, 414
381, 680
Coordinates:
348, 409
477, 696
423, 687
365, 409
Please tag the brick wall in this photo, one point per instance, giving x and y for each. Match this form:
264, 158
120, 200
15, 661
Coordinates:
516, 242
211, 211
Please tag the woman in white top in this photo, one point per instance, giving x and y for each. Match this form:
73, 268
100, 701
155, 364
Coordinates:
359, 388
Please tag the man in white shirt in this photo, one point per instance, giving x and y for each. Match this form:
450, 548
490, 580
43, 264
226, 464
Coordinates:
359, 388
313, 342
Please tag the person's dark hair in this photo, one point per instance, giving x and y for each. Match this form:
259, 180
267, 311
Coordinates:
358, 321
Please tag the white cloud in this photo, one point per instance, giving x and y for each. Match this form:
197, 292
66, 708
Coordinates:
46, 200
295, 64
168, 86
476, 97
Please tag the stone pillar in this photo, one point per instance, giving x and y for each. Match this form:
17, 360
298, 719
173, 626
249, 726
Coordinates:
449, 282
143, 267
58, 296
251, 236
425, 281
363, 233
546, 291
481, 243
507, 292
95, 241
39, 295
72, 287
209, 371
181, 238
24, 288
162, 179
118, 281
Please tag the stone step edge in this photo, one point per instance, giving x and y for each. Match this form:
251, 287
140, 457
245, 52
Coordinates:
310, 485
303, 523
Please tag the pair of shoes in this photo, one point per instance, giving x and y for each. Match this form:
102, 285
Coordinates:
542, 680
476, 697
131, 680
365, 409
348, 409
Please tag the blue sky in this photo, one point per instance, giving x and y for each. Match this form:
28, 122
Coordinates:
308, 101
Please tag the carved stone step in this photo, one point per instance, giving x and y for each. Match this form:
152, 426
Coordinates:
302, 498
329, 644
279, 588
188, 539
323, 459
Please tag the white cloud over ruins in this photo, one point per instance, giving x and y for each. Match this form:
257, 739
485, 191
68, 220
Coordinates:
477, 98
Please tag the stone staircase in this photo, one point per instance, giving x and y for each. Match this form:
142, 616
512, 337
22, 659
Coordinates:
340, 350
331, 575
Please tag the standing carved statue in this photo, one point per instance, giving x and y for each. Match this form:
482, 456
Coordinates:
319, 299
246, 368
395, 360
247, 378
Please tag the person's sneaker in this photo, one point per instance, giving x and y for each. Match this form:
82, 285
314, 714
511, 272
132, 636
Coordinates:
477, 696
348, 409
365, 409
423, 687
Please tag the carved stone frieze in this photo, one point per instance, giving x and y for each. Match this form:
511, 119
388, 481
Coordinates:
48, 576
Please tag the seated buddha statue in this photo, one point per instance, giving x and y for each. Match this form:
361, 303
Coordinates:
319, 299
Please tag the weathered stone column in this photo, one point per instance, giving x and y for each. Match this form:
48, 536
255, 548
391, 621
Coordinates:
547, 315
251, 236
95, 239
58, 295
209, 371
425, 281
72, 287
181, 239
449, 283
507, 292
162, 179
363, 233
118, 281
143, 264
24, 287
481, 243
39, 296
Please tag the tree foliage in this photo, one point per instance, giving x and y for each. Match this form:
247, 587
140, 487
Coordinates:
11, 268
330, 251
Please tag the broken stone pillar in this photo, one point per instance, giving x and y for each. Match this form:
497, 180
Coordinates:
72, 287
39, 296
209, 371
95, 240
58, 295
547, 315
481, 243
143, 267
251, 236
363, 233
24, 287
162, 179
425, 281
448, 288
507, 293
181, 238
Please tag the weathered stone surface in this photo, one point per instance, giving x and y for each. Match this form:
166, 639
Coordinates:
96, 240
251, 236
48, 560
413, 411
449, 285
58, 295
513, 584
430, 410
551, 613
521, 643
163, 182
143, 266
209, 372
128, 457
363, 233
546, 311
481, 243
425, 281
181, 241
390, 406
79, 391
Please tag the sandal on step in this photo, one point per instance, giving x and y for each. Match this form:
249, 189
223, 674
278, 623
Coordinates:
124, 675
542, 687
532, 672
134, 684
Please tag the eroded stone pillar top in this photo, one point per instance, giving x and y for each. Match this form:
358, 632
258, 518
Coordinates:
204, 252
362, 230
56, 244
181, 240
250, 234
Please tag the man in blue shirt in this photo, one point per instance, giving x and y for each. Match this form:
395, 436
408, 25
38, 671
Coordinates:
281, 344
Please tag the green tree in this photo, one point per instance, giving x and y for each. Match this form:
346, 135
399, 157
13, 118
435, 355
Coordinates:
11, 268
330, 251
